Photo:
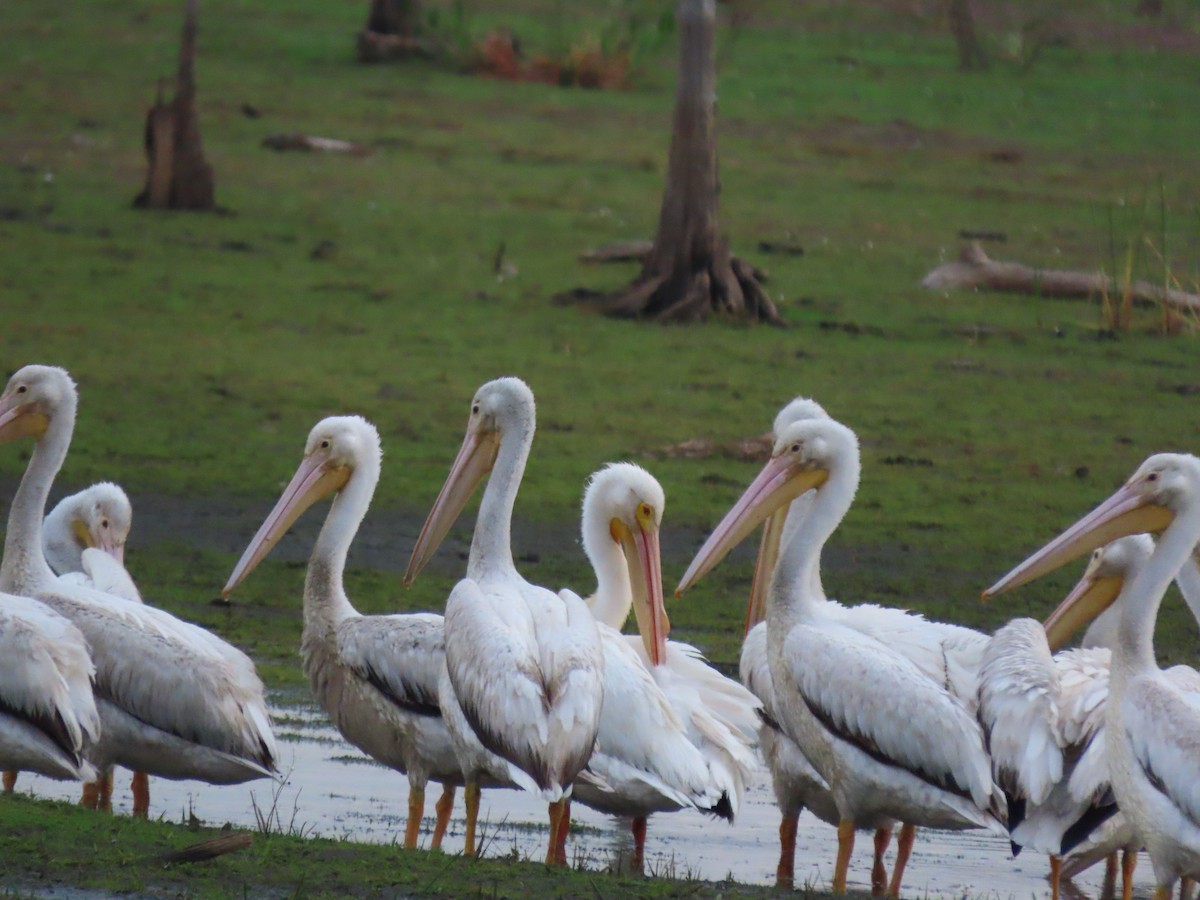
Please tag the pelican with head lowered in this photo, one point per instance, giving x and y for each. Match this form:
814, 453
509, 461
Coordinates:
892, 743
376, 677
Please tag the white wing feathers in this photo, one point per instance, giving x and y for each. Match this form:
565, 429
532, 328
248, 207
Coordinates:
400, 655
1018, 706
875, 698
103, 573
1160, 726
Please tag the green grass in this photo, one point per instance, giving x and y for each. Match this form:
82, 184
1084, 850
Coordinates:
206, 346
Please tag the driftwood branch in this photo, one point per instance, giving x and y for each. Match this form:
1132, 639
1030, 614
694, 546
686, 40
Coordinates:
205, 850
975, 270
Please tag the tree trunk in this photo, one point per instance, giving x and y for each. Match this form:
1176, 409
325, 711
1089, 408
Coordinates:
400, 17
689, 273
179, 177
393, 32
971, 55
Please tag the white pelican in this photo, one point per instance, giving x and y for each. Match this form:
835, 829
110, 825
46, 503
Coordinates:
170, 704
48, 718
525, 663
893, 744
1152, 727
376, 677
664, 740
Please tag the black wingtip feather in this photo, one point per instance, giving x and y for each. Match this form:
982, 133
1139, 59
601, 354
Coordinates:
723, 808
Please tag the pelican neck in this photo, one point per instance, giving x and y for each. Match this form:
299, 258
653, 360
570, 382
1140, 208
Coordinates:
491, 545
324, 587
24, 569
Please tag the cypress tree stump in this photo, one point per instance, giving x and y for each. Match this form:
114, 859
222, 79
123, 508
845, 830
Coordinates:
179, 177
689, 273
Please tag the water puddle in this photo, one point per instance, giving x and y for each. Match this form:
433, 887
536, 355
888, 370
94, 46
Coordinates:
332, 790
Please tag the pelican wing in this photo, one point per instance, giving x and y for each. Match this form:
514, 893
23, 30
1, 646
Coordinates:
1161, 727
873, 697
400, 655
103, 573
1018, 707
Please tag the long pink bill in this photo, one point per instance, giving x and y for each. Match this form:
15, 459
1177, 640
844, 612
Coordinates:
764, 567
641, 548
315, 479
474, 461
1090, 597
1125, 512
777, 484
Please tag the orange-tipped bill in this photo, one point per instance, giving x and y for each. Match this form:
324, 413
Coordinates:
1090, 597
777, 484
1125, 512
475, 459
316, 479
764, 567
641, 550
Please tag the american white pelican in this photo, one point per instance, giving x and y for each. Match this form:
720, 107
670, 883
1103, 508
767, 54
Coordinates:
48, 718
664, 742
376, 677
99, 518
525, 662
1152, 726
893, 744
170, 704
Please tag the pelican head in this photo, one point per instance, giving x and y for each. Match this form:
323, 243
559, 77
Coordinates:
33, 397
1148, 502
99, 516
804, 455
500, 407
1107, 571
624, 504
800, 409
336, 448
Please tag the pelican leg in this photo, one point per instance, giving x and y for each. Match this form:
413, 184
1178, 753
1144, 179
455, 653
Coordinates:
10, 782
105, 783
1162, 892
1128, 864
564, 828
91, 794
785, 872
904, 845
1185, 888
1055, 876
845, 848
879, 879
471, 798
140, 788
555, 813
416, 809
1112, 867
638, 827
444, 806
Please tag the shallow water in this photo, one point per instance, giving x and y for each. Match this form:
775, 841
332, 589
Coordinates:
332, 790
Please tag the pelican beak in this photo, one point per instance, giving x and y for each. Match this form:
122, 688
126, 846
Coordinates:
475, 459
780, 482
641, 551
764, 567
1125, 512
18, 420
1090, 597
316, 478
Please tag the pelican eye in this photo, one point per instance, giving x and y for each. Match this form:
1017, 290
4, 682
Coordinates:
475, 409
797, 447
645, 512
104, 523
22, 389
1153, 476
325, 444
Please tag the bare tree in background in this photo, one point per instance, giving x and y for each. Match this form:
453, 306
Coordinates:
179, 177
689, 273
971, 55
393, 31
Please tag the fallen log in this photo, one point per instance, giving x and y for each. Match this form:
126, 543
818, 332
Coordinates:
975, 270
211, 849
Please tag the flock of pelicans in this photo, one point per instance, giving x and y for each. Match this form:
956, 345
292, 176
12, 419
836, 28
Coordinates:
867, 716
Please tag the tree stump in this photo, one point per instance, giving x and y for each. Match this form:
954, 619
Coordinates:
689, 273
179, 177
971, 55
392, 32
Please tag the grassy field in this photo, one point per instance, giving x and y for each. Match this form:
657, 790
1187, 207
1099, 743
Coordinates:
206, 346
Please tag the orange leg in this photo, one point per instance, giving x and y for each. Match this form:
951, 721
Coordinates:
1185, 888
785, 872
91, 794
1055, 876
879, 882
555, 813
444, 806
845, 848
471, 799
10, 782
564, 829
416, 809
105, 782
1128, 864
140, 788
638, 827
904, 845
1112, 867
